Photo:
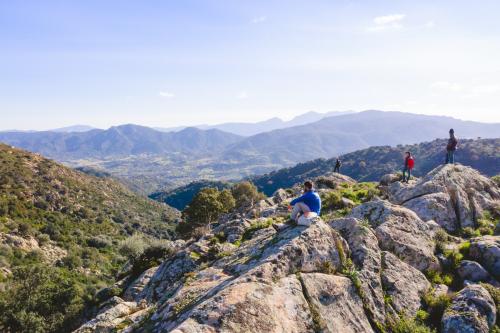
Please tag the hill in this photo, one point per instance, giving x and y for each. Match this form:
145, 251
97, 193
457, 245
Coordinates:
372, 163
119, 141
389, 257
63, 225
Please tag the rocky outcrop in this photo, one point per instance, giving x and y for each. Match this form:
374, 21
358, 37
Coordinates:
112, 314
366, 256
404, 285
336, 304
472, 310
454, 196
50, 252
400, 231
352, 274
472, 271
486, 250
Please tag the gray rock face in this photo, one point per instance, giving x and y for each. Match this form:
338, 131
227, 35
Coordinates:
472, 310
110, 316
486, 250
388, 179
472, 271
135, 288
400, 231
404, 284
452, 195
332, 180
366, 255
337, 303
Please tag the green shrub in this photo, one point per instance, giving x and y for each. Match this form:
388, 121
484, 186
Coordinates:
246, 194
496, 179
205, 208
40, 299
98, 242
43, 239
469, 232
133, 246
152, 256
404, 324
435, 307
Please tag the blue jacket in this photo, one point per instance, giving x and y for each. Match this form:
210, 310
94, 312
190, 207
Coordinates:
311, 199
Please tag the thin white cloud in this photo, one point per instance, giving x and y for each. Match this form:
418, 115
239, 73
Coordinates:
387, 22
242, 95
469, 91
445, 86
166, 94
430, 24
483, 90
259, 19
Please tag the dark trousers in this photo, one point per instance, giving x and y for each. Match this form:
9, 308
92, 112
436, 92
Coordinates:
450, 157
336, 169
406, 170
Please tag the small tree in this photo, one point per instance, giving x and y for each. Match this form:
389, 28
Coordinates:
205, 208
246, 194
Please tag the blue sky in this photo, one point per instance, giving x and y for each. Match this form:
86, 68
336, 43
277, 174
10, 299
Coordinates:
168, 63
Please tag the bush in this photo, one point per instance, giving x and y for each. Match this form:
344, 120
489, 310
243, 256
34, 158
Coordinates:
404, 324
132, 247
435, 306
98, 242
40, 299
205, 208
43, 239
152, 256
24, 229
496, 179
71, 261
246, 194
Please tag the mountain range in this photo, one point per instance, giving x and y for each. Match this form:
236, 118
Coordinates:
153, 160
249, 129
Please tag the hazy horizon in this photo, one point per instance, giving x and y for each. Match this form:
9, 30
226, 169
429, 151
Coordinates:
203, 124
169, 64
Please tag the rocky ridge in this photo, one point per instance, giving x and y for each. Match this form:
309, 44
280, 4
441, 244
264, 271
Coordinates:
364, 272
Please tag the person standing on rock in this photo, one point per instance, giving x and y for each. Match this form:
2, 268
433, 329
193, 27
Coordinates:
304, 209
338, 164
451, 147
409, 164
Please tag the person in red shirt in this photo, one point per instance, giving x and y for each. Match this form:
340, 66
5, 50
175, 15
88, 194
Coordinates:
409, 164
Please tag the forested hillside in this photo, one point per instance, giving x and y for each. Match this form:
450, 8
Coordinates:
60, 231
371, 163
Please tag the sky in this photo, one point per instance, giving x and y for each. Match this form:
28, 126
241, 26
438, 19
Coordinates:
170, 63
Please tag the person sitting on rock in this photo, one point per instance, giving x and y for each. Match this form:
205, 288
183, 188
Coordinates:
304, 208
409, 164
338, 164
451, 147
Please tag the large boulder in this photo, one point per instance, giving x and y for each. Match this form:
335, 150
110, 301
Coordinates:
472, 311
366, 256
403, 284
452, 195
114, 312
336, 303
472, 271
400, 231
486, 250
